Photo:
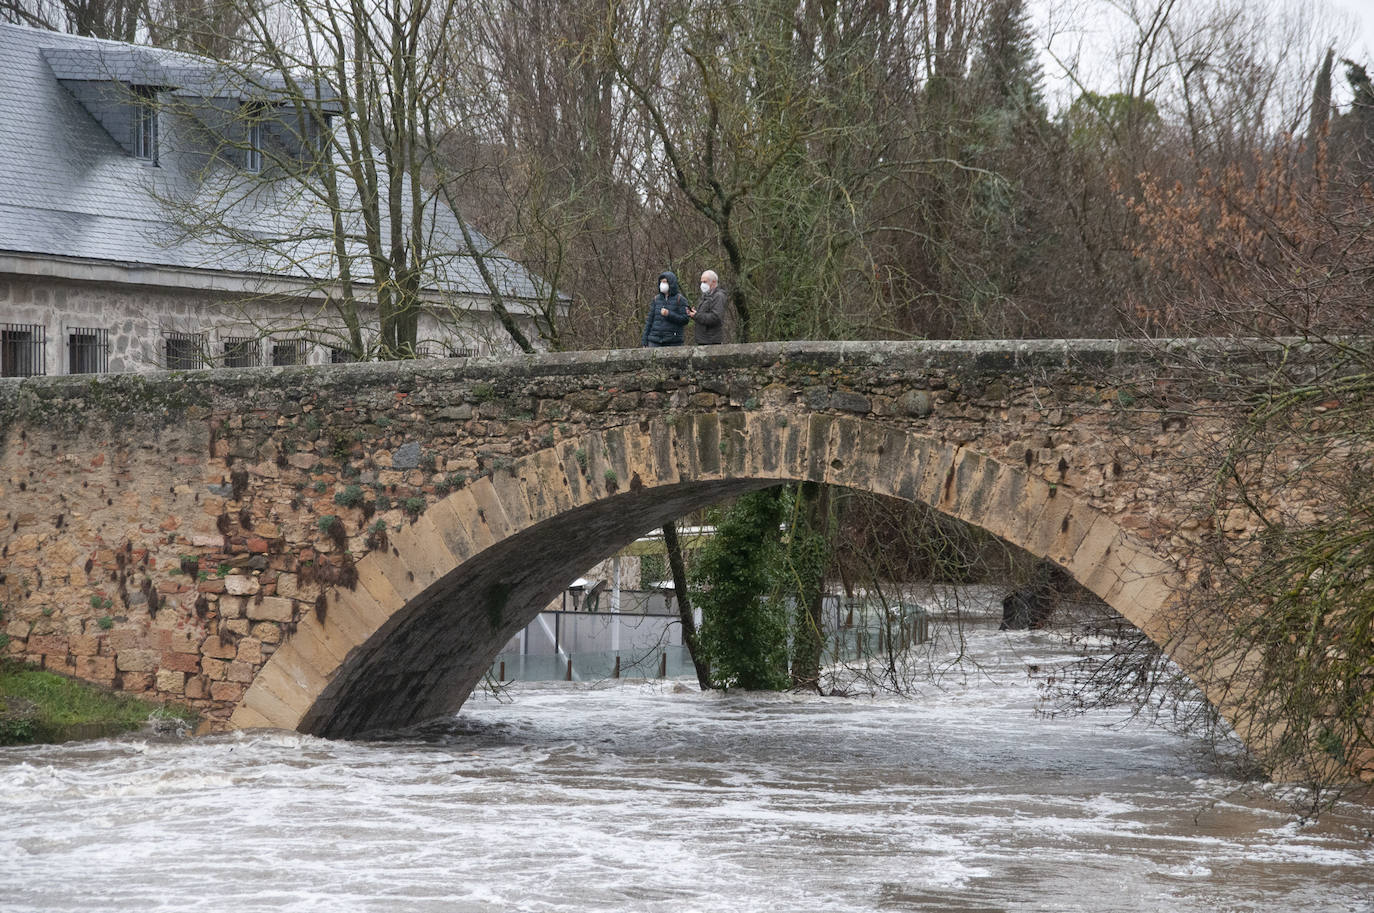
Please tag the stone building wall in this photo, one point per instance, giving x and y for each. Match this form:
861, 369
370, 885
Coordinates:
136, 318
163, 534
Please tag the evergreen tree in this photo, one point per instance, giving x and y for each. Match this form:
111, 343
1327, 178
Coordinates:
1005, 68
743, 631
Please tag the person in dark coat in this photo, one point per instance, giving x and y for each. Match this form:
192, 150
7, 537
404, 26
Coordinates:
709, 315
667, 314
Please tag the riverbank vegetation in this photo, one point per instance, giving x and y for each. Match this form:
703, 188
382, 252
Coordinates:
41, 706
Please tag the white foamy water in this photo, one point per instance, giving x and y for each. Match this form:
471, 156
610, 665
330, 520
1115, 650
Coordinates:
658, 798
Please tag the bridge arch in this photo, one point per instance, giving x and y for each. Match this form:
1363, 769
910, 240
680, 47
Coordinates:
432, 608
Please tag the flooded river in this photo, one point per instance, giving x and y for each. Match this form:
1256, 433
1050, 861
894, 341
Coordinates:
654, 797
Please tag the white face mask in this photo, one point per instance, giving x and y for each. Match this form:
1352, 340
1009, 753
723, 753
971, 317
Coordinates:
705, 288
663, 287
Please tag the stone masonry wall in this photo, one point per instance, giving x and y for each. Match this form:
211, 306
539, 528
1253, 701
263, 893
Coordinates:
163, 534
137, 316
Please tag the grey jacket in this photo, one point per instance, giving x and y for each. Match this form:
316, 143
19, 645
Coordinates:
710, 318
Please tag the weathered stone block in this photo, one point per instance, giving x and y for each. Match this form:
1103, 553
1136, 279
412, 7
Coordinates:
226, 691
50, 645
407, 456
98, 669
847, 401
126, 638
84, 645
180, 662
271, 608
218, 648
239, 672
241, 585
916, 403
250, 651
287, 585
137, 660
185, 641
170, 681
135, 682
197, 687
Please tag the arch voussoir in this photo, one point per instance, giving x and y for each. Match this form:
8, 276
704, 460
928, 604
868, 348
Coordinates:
512, 492
1058, 541
420, 547
375, 571
452, 527
349, 620
895, 461
662, 445
546, 484
970, 479
938, 477
854, 448
699, 442
491, 510
467, 515
574, 470
280, 693
816, 456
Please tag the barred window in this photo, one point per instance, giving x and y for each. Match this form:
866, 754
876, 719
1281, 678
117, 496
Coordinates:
88, 350
288, 351
184, 351
241, 352
340, 356
252, 151
21, 349
145, 123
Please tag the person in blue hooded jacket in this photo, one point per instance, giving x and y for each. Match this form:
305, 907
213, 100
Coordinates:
667, 314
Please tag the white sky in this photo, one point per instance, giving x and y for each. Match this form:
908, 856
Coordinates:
1084, 35
1362, 12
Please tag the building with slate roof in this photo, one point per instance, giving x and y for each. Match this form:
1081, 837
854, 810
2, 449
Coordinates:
108, 154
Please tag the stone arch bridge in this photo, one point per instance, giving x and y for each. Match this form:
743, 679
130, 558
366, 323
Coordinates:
340, 549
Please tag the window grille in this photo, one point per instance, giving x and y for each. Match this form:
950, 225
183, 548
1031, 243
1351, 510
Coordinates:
288, 352
145, 123
241, 352
88, 350
184, 351
340, 356
252, 152
22, 349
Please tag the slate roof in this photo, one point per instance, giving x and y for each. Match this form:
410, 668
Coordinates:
68, 189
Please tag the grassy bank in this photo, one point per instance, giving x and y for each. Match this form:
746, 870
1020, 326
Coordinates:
40, 706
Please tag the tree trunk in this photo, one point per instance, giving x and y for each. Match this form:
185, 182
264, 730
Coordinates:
684, 605
807, 642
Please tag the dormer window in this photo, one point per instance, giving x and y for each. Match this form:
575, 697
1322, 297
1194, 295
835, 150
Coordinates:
252, 150
145, 123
